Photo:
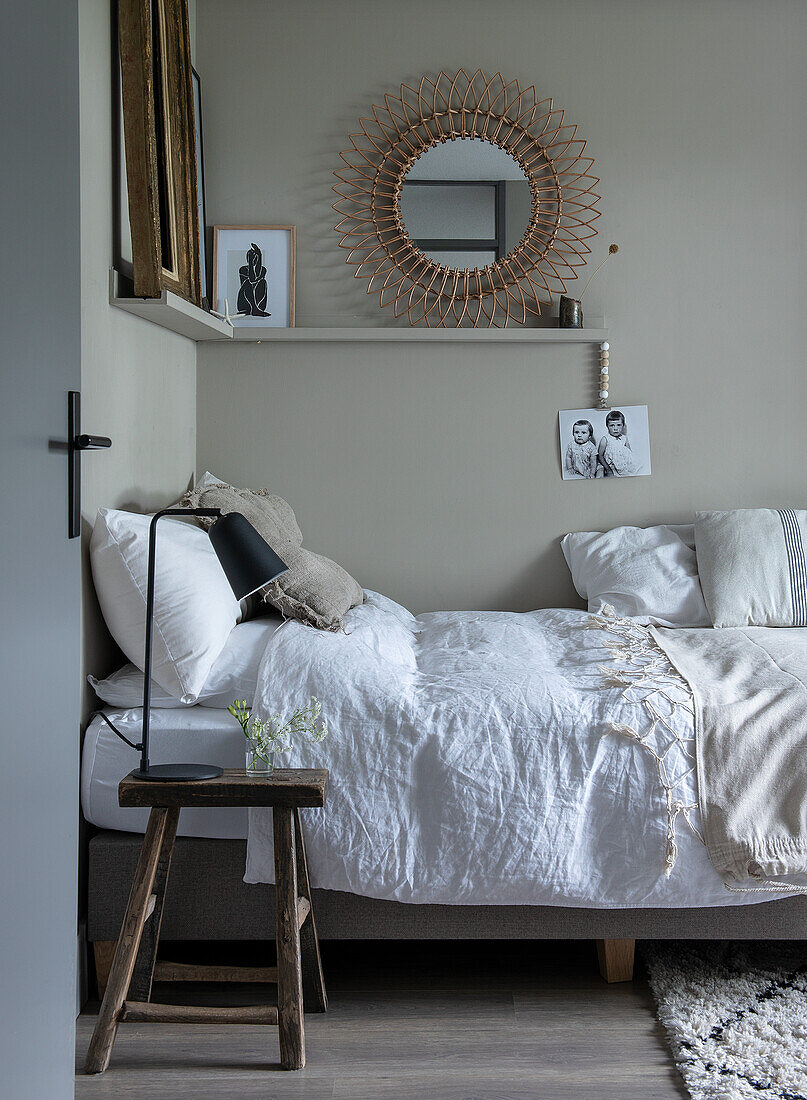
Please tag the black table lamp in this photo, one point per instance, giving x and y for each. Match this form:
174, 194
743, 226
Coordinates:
249, 563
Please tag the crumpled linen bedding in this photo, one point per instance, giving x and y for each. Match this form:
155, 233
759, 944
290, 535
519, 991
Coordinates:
473, 761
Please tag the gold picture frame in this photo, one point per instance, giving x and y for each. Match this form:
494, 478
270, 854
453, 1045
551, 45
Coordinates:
160, 147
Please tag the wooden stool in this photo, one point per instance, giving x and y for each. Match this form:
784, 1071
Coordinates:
298, 961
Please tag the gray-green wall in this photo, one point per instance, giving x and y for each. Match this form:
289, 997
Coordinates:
138, 381
433, 472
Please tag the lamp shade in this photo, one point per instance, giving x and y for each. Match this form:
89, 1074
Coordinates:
248, 560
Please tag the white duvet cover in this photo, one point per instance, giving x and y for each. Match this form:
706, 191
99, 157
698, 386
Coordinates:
472, 761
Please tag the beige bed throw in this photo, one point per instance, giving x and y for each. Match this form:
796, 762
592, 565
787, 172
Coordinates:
750, 690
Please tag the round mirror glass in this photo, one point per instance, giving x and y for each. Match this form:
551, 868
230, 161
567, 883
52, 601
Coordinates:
466, 203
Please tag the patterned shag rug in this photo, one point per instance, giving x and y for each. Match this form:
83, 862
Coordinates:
736, 1016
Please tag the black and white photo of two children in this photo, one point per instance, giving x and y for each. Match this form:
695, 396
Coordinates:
596, 443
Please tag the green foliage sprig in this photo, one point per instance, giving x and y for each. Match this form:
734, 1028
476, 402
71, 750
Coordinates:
274, 735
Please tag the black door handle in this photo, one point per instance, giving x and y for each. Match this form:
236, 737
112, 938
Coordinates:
76, 443
92, 442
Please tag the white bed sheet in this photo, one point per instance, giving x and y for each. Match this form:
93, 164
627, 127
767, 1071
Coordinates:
193, 735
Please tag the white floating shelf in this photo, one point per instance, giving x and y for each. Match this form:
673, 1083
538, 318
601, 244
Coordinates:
171, 312
424, 335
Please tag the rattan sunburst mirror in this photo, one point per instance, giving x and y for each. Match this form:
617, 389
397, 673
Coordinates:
435, 123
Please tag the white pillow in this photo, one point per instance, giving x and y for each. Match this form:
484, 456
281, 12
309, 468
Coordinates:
647, 574
233, 676
753, 566
194, 607
124, 689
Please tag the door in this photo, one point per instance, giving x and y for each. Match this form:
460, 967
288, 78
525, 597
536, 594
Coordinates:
40, 566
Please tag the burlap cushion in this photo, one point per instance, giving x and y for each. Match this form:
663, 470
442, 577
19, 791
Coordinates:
315, 589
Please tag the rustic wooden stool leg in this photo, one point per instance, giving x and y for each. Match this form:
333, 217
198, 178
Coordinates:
120, 975
315, 999
143, 974
289, 970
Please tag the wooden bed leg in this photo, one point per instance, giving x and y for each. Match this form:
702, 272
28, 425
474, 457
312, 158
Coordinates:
103, 952
616, 959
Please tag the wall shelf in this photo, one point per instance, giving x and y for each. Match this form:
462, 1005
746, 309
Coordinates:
424, 335
169, 311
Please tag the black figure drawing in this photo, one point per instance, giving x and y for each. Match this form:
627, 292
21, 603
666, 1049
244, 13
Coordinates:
253, 293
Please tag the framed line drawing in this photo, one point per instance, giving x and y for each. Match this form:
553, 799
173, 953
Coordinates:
253, 274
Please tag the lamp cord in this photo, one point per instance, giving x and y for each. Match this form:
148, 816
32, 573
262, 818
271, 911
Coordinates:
116, 731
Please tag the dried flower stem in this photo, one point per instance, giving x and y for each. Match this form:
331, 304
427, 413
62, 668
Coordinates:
612, 250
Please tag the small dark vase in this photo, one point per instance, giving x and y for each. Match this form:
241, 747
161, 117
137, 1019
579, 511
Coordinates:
570, 313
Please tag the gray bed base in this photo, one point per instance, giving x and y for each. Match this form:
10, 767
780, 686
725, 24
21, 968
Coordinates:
207, 899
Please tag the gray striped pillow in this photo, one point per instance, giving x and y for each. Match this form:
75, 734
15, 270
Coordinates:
752, 566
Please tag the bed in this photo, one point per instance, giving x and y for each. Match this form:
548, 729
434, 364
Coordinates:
493, 774
584, 832
564, 813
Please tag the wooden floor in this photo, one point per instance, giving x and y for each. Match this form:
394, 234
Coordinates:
454, 1020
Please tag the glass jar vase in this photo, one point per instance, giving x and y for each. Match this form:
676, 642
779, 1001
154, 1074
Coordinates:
259, 761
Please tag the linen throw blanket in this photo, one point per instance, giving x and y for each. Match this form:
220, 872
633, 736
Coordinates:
750, 693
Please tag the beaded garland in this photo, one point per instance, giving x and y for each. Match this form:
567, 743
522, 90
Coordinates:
605, 362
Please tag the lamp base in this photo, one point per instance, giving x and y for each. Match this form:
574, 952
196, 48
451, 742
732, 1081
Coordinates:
171, 773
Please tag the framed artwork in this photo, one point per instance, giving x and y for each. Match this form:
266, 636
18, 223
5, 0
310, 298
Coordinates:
600, 443
121, 230
160, 147
200, 187
253, 274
